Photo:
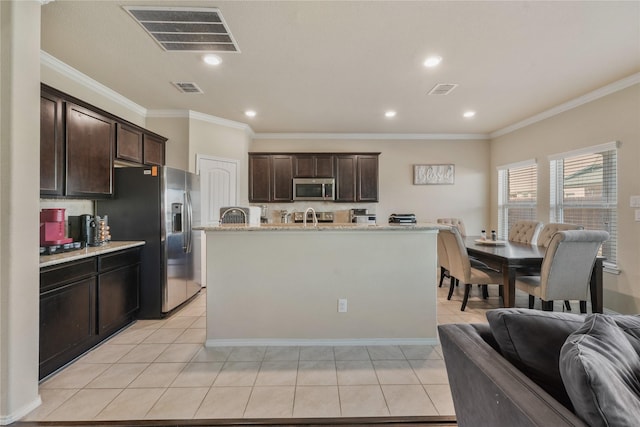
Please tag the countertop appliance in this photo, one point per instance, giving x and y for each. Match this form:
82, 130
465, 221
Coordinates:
159, 205
52, 227
250, 215
324, 217
314, 189
90, 229
406, 219
362, 216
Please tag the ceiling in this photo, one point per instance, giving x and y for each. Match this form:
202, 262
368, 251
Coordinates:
337, 66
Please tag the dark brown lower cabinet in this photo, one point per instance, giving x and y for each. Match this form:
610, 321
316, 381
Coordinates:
84, 302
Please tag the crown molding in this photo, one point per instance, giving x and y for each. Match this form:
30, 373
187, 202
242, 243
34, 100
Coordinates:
60, 67
189, 114
581, 100
373, 136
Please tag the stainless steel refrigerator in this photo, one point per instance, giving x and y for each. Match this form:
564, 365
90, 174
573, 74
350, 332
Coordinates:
159, 205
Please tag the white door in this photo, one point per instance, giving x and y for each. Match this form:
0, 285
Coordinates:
218, 188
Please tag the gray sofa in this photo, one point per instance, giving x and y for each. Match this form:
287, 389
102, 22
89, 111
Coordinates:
520, 370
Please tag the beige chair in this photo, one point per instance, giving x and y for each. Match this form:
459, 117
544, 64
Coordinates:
443, 260
566, 268
547, 232
460, 266
453, 222
524, 232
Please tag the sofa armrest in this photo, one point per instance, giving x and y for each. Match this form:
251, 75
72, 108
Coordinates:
489, 391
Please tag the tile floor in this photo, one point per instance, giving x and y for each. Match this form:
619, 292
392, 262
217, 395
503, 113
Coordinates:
160, 369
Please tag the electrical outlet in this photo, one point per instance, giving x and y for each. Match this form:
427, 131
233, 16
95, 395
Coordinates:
637, 213
342, 305
634, 201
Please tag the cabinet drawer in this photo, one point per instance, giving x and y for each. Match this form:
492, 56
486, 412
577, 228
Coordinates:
119, 259
67, 272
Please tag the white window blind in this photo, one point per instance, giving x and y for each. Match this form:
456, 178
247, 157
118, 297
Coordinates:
584, 191
517, 194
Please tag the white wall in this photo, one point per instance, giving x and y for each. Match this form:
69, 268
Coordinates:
176, 129
615, 117
466, 198
20, 183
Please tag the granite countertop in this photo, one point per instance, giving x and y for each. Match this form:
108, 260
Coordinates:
323, 227
89, 251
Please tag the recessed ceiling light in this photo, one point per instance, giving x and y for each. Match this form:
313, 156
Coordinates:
212, 59
250, 113
469, 114
389, 114
432, 61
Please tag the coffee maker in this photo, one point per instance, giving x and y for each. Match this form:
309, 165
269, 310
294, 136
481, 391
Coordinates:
89, 229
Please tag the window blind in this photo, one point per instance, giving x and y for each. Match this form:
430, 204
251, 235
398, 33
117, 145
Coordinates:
517, 195
584, 192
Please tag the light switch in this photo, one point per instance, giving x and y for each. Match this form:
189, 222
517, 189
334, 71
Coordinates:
637, 214
634, 202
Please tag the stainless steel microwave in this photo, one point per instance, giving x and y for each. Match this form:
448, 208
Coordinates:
314, 189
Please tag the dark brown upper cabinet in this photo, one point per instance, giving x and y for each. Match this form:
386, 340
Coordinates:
357, 177
259, 178
153, 150
313, 166
282, 166
270, 178
128, 143
51, 145
89, 146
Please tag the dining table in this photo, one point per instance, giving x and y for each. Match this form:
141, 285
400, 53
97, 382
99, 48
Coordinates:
512, 257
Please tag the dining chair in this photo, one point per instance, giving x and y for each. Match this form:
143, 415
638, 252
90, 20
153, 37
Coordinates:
524, 232
452, 222
566, 268
443, 260
460, 266
548, 230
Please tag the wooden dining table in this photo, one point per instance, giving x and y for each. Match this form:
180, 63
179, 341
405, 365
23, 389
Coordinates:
508, 257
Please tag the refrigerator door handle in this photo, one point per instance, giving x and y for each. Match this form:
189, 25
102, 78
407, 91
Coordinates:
189, 229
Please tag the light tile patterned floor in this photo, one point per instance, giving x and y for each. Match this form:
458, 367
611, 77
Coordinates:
160, 369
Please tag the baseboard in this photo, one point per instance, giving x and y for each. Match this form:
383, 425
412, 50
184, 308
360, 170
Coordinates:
282, 342
21, 412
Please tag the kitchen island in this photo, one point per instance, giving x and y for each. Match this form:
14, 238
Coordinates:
289, 285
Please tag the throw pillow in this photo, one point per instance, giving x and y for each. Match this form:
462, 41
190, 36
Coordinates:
601, 372
630, 325
531, 340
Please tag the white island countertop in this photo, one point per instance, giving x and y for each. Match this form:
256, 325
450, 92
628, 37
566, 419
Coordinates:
324, 227
89, 251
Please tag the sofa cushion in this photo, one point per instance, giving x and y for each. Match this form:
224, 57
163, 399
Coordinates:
601, 372
531, 340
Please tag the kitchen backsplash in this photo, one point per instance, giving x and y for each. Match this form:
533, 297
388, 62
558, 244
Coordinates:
72, 207
341, 210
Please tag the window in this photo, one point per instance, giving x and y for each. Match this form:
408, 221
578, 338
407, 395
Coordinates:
584, 191
517, 194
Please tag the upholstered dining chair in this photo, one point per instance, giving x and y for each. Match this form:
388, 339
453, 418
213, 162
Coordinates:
460, 266
524, 232
443, 259
454, 222
566, 268
548, 230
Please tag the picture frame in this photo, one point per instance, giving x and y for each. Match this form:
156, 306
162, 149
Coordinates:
436, 174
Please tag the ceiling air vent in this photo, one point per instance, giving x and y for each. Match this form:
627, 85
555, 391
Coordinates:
187, 87
192, 29
443, 89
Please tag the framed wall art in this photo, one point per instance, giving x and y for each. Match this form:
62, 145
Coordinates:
433, 174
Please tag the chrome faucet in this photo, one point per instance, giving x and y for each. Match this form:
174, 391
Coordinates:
315, 217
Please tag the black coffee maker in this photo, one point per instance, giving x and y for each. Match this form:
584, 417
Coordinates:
90, 229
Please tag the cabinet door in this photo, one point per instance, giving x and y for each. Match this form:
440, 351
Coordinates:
51, 145
117, 298
128, 143
259, 178
67, 323
346, 178
282, 178
90, 140
367, 178
153, 150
